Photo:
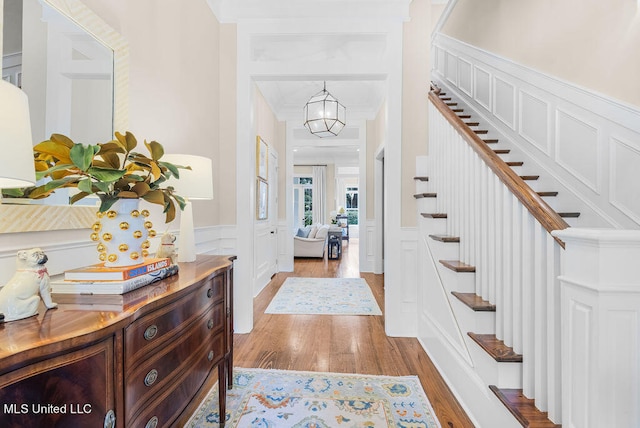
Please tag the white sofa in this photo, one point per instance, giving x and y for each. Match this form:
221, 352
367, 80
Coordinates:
314, 244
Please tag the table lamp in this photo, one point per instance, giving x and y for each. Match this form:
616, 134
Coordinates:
16, 145
196, 183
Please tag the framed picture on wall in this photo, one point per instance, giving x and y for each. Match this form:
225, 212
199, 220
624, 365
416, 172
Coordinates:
262, 158
262, 200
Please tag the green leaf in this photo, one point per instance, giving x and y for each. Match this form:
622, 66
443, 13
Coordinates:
107, 202
82, 156
169, 210
155, 148
55, 184
46, 173
106, 175
129, 140
141, 188
85, 185
126, 194
14, 193
103, 187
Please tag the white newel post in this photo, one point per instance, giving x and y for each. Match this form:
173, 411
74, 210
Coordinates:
600, 304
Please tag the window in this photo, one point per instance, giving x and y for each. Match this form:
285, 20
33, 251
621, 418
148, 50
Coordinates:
302, 201
351, 204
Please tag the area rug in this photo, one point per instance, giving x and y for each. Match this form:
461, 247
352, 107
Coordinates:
324, 296
290, 399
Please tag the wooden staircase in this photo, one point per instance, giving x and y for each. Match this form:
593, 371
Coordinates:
473, 309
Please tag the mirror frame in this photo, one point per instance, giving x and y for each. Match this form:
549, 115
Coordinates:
30, 218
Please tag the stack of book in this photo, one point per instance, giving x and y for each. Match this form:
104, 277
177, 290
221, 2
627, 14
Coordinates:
99, 279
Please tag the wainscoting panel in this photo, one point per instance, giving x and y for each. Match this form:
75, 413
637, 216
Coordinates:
577, 148
505, 102
465, 76
409, 246
534, 121
575, 139
482, 86
625, 158
451, 68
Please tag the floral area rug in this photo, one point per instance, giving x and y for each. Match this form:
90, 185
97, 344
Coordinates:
324, 296
289, 399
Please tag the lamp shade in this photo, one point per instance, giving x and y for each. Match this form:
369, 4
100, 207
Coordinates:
196, 183
16, 146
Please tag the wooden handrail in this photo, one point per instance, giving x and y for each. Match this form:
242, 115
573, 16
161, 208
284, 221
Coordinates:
546, 216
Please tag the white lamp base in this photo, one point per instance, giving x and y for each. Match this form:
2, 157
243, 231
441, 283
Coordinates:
187, 240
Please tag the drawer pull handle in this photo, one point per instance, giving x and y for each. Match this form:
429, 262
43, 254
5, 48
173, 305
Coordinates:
209, 293
210, 324
153, 422
151, 332
110, 419
151, 377
210, 356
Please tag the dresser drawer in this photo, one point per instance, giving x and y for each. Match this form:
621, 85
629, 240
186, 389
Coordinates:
158, 371
169, 402
159, 326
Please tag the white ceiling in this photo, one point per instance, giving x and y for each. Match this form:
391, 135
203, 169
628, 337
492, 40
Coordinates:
345, 44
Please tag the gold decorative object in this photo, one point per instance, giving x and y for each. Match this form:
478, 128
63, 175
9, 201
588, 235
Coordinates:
135, 213
96, 226
152, 233
99, 214
101, 248
145, 253
148, 224
146, 213
134, 256
137, 234
112, 258
95, 236
107, 237
102, 257
112, 214
145, 245
124, 225
123, 247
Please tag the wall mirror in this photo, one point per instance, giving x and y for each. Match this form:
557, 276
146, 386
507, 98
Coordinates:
74, 69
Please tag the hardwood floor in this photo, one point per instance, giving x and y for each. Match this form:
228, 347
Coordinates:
347, 344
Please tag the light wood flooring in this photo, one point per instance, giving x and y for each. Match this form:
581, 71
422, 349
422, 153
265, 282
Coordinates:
346, 344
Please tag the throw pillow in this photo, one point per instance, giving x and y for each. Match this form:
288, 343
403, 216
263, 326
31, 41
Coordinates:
303, 232
322, 232
312, 233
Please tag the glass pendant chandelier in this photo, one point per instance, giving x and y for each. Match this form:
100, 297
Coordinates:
324, 116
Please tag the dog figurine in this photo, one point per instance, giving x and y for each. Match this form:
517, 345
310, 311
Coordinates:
20, 297
167, 247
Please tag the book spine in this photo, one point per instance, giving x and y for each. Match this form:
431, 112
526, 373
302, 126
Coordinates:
146, 269
141, 281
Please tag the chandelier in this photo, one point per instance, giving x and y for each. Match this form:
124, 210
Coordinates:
324, 116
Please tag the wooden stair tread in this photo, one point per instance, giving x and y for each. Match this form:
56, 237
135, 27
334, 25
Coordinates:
529, 177
451, 104
569, 215
433, 215
547, 193
523, 408
491, 141
445, 238
496, 348
464, 116
445, 98
481, 131
425, 195
516, 163
472, 123
457, 110
475, 302
502, 151
421, 178
458, 266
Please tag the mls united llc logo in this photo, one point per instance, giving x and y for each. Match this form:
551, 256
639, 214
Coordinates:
22, 409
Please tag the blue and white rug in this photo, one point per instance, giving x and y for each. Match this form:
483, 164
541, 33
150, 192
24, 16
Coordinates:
324, 296
289, 399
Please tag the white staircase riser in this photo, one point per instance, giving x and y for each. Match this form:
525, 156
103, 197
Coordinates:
480, 322
501, 374
464, 282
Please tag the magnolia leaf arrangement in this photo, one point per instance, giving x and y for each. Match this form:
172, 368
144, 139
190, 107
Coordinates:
112, 171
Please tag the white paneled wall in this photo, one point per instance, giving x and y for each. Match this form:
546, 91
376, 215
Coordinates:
588, 144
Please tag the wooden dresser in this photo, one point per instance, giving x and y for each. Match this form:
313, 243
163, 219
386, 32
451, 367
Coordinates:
142, 359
